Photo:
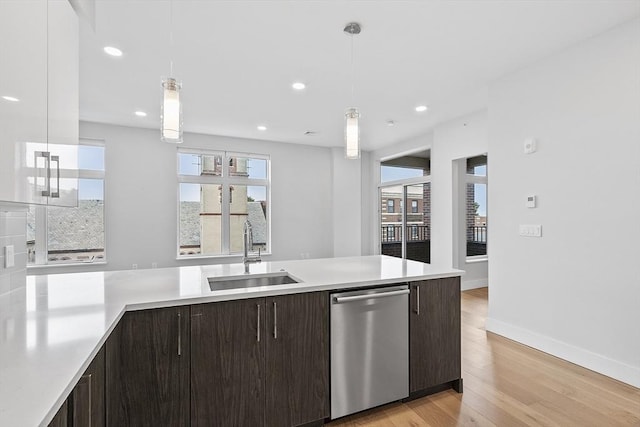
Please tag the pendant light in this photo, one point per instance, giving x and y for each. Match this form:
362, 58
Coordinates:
171, 112
352, 116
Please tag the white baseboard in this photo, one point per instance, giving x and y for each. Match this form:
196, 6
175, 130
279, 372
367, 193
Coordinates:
465, 285
612, 368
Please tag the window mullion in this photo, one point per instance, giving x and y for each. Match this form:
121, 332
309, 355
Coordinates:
226, 207
403, 210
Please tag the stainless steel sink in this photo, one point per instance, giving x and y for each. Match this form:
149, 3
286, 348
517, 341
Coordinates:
235, 282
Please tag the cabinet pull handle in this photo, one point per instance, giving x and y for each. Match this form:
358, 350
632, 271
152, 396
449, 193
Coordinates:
179, 334
47, 162
417, 310
258, 326
88, 377
56, 194
275, 321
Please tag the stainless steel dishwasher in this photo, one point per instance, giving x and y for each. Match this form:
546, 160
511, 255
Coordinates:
369, 348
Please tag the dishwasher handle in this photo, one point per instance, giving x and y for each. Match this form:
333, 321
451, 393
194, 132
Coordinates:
339, 300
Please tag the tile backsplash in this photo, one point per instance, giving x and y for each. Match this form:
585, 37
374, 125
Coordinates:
13, 226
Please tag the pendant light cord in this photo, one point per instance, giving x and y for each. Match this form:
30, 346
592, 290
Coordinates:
171, 36
353, 85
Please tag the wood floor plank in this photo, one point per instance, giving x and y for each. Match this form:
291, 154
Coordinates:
451, 402
509, 384
431, 413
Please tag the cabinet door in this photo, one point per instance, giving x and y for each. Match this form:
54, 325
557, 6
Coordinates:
434, 333
227, 363
23, 116
147, 369
63, 103
88, 395
61, 419
297, 359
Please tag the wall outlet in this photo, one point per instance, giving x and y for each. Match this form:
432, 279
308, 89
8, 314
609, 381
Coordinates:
154, 265
534, 230
9, 256
134, 266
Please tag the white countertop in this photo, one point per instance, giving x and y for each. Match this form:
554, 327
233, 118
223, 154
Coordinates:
51, 329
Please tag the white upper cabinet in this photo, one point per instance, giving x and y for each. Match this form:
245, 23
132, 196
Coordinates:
23, 79
39, 122
63, 103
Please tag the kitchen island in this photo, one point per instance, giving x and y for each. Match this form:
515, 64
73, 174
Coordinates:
52, 329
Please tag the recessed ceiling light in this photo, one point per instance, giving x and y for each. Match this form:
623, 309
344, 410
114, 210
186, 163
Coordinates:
141, 114
391, 123
262, 127
10, 98
113, 51
298, 86
421, 108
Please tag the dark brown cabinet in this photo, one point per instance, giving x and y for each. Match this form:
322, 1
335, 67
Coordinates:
261, 361
85, 405
227, 363
297, 359
87, 398
434, 334
147, 369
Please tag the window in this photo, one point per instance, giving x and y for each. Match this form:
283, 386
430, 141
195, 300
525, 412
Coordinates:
476, 206
72, 235
218, 192
405, 182
390, 206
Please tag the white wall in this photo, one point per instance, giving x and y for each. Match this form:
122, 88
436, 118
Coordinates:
458, 138
141, 197
575, 292
347, 204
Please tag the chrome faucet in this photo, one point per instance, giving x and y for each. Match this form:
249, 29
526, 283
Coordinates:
247, 242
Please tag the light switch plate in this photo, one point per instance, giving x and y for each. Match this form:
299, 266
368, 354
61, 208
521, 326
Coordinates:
9, 256
531, 230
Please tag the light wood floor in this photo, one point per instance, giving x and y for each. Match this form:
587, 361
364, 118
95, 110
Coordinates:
509, 384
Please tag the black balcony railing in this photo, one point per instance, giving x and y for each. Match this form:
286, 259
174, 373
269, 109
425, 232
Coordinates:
414, 233
477, 233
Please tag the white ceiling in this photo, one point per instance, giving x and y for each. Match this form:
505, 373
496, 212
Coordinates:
237, 60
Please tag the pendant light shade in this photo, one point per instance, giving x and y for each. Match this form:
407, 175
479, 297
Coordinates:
352, 134
171, 116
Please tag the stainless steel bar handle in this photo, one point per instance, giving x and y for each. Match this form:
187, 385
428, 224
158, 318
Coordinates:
56, 194
275, 321
179, 334
89, 378
258, 327
47, 160
370, 296
417, 310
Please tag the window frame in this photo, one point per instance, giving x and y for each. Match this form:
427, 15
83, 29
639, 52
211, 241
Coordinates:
226, 181
41, 247
478, 179
404, 184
